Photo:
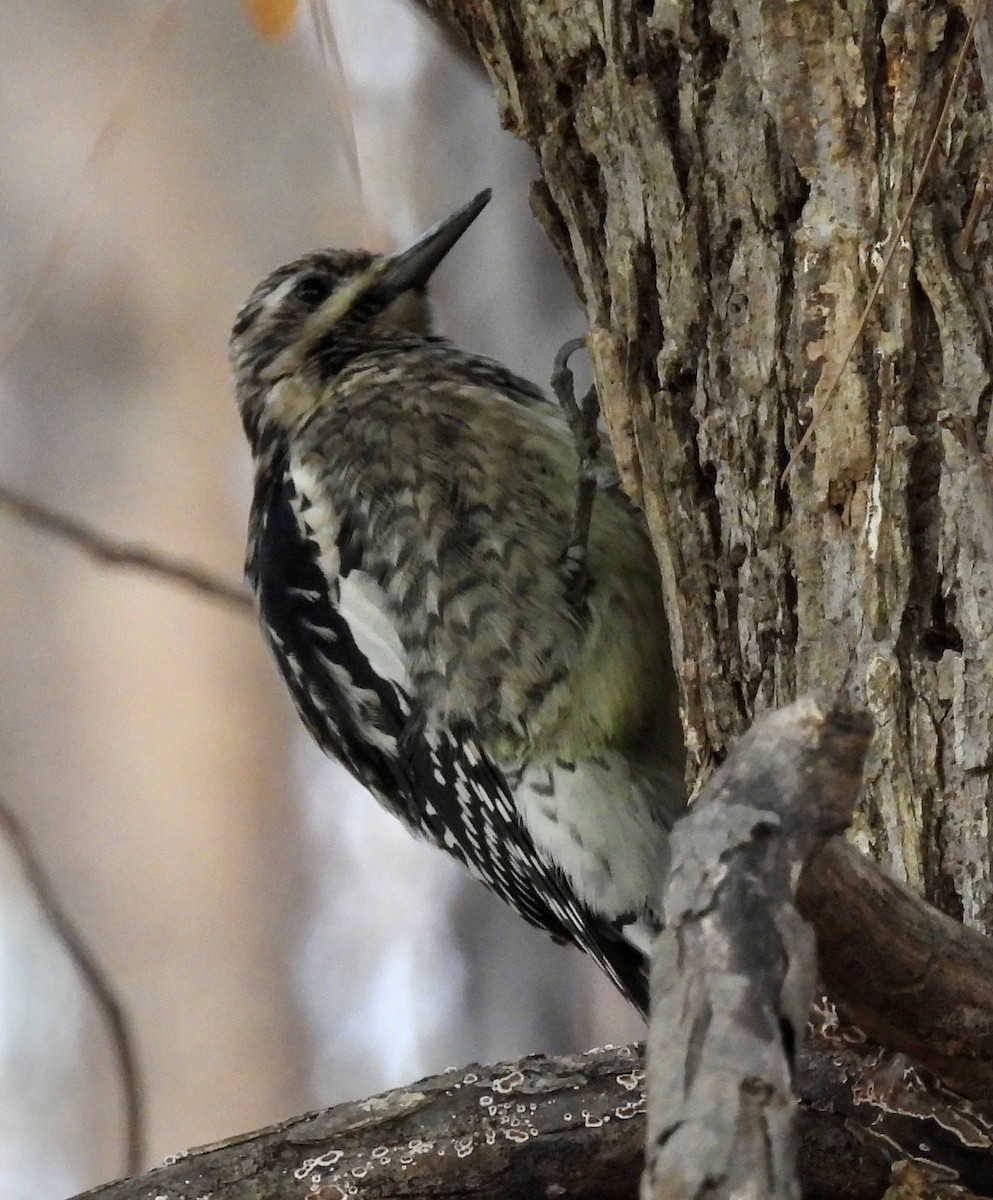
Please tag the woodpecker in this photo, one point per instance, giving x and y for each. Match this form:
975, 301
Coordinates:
412, 550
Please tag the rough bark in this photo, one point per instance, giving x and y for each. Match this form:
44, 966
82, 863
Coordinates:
722, 179
734, 971
547, 1127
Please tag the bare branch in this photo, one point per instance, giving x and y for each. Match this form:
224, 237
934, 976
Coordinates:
121, 554
571, 1126
908, 976
734, 972
118, 1027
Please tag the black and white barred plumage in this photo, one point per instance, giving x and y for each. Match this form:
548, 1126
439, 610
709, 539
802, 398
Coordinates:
409, 546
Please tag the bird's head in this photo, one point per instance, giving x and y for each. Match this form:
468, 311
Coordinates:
310, 318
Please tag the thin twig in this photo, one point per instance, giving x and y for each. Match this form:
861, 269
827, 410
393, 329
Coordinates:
121, 554
102, 990
891, 249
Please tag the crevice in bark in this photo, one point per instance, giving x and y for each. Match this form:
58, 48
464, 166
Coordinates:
712, 53
940, 889
984, 409
666, 68
721, 255
927, 627
651, 329
549, 216
578, 72
645, 54
941, 633
942, 892
872, 52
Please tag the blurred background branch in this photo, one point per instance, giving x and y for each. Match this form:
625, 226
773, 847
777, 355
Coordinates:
159, 159
121, 554
118, 1025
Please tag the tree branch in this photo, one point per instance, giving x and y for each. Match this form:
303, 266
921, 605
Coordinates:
545, 1126
910, 977
121, 554
101, 989
734, 971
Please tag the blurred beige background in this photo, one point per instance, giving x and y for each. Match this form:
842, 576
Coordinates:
278, 942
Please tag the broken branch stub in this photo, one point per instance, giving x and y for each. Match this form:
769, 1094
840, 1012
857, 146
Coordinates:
734, 971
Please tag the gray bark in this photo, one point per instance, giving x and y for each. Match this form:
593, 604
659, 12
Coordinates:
722, 180
734, 972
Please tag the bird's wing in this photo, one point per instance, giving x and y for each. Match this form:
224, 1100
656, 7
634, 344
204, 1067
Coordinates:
329, 625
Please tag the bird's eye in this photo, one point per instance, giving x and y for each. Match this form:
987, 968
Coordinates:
311, 290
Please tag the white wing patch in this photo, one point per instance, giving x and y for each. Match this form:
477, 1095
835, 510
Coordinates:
315, 515
359, 599
366, 609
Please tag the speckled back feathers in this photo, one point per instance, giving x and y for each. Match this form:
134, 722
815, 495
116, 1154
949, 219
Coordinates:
411, 520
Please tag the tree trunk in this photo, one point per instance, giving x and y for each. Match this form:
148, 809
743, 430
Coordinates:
726, 180
723, 179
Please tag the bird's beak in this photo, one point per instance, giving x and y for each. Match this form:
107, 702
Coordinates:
413, 267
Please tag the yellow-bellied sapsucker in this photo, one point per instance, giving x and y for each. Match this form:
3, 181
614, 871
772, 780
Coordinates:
411, 550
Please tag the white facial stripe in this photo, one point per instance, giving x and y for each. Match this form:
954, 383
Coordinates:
276, 297
337, 304
319, 322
